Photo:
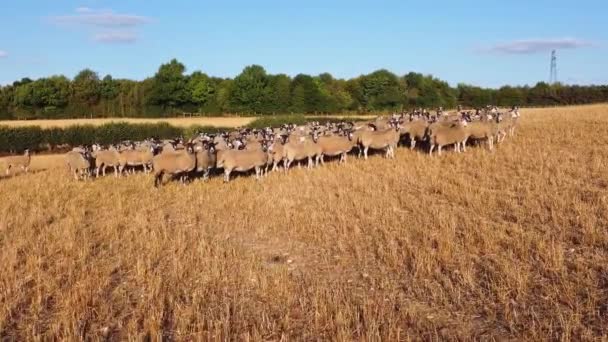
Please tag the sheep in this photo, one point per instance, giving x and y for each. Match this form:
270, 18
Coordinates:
380, 140
448, 134
105, 158
205, 158
483, 130
242, 160
78, 163
252, 144
336, 146
140, 157
174, 163
303, 148
416, 131
22, 161
276, 153
167, 148
509, 122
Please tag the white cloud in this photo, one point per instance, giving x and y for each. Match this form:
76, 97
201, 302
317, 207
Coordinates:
103, 26
530, 46
100, 18
116, 37
3, 54
83, 10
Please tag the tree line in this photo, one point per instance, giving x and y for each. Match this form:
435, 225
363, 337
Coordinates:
255, 92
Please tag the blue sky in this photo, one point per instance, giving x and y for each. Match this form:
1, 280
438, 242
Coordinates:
487, 43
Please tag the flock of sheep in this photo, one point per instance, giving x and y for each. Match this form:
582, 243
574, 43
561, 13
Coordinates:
267, 149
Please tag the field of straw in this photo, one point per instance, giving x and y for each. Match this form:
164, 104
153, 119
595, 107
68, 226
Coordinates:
180, 122
505, 245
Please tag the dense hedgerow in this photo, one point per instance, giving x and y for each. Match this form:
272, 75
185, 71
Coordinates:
17, 139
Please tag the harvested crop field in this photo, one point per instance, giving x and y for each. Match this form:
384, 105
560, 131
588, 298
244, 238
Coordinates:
510, 244
180, 122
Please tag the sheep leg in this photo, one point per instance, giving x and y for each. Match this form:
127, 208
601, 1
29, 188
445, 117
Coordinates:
158, 179
322, 159
431, 149
412, 144
365, 151
8, 170
464, 145
226, 175
439, 149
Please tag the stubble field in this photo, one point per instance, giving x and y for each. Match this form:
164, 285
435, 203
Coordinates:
179, 122
508, 244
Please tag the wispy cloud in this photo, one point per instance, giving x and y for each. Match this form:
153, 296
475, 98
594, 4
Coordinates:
115, 37
530, 46
3, 54
104, 26
83, 10
100, 18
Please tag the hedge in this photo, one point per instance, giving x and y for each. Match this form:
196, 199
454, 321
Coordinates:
276, 121
17, 139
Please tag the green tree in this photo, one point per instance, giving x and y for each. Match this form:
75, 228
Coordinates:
201, 88
306, 96
381, 90
249, 91
169, 86
87, 87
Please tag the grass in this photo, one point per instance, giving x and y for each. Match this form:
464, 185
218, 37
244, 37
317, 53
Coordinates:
505, 245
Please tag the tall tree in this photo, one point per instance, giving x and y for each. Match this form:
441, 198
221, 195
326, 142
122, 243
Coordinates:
87, 87
169, 85
249, 91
